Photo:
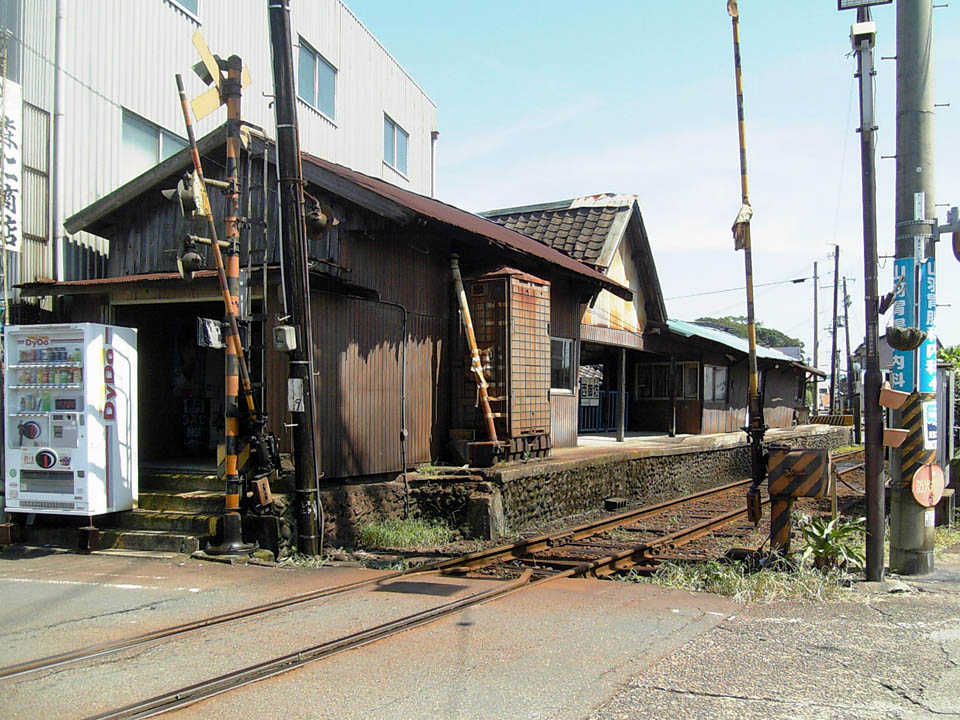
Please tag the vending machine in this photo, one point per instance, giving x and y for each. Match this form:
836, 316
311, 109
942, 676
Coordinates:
70, 394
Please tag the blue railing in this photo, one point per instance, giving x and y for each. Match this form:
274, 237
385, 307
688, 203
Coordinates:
602, 417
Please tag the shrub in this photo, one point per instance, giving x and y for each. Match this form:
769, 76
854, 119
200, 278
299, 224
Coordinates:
834, 543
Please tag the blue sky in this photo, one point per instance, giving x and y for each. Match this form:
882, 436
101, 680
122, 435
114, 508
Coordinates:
542, 101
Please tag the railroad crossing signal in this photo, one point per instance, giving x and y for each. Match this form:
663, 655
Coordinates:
792, 474
209, 69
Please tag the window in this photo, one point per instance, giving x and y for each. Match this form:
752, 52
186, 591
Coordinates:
715, 383
145, 145
691, 381
191, 6
394, 145
316, 81
561, 364
10, 22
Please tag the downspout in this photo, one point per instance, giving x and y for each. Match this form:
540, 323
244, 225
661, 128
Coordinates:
56, 165
433, 162
404, 313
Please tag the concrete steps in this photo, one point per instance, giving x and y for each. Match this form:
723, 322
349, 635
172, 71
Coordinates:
197, 501
176, 521
151, 540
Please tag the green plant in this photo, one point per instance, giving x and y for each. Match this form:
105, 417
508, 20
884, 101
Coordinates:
743, 584
834, 543
411, 533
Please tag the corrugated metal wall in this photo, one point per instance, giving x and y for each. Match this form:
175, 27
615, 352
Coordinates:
358, 354
121, 54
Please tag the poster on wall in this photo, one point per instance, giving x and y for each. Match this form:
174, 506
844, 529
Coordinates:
10, 138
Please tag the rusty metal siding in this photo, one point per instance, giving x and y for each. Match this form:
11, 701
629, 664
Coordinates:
563, 420
779, 396
358, 346
564, 310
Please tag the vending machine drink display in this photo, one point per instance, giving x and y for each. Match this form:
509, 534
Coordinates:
70, 394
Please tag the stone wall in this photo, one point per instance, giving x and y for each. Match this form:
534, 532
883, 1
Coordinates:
514, 497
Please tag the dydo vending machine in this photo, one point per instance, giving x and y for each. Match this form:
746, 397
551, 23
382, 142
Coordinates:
70, 394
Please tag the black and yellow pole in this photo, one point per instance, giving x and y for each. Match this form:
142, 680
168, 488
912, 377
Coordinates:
741, 234
231, 535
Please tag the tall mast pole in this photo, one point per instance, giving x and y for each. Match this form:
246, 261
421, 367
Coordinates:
741, 233
295, 272
872, 417
846, 330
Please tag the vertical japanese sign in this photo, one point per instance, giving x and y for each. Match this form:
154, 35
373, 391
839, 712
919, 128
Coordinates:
927, 353
902, 373
10, 100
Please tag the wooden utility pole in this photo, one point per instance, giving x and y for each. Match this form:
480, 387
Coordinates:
293, 237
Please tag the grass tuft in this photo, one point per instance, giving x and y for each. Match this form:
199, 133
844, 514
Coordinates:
946, 537
743, 585
409, 534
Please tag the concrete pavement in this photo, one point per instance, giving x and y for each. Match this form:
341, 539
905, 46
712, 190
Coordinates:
555, 652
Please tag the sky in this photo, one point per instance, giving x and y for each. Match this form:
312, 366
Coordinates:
548, 100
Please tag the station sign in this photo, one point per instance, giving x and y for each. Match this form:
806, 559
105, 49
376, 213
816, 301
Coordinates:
927, 353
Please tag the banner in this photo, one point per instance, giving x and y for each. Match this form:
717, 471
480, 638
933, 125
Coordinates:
12, 168
903, 373
927, 353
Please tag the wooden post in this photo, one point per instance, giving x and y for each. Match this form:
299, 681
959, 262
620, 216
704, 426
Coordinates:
622, 396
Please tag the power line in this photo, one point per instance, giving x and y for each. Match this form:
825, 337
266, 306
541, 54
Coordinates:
795, 281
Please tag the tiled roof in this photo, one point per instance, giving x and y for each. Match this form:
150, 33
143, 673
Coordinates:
579, 232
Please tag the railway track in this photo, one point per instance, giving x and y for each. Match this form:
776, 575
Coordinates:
584, 550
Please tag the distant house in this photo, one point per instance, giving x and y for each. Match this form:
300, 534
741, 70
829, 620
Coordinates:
679, 377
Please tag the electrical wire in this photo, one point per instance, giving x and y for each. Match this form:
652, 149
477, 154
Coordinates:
795, 281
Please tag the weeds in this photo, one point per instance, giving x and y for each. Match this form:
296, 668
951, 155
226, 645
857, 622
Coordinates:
300, 560
742, 584
409, 534
946, 537
832, 543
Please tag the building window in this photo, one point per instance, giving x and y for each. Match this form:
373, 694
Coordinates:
561, 364
394, 145
715, 383
652, 381
191, 6
316, 81
145, 145
10, 23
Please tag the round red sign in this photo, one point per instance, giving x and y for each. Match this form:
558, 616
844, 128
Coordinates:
928, 485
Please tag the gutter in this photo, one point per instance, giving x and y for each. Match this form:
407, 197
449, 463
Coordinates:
57, 232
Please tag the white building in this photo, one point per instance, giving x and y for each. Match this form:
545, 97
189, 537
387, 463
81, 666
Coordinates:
100, 104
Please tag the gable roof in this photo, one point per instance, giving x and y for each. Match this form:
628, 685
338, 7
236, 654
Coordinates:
373, 194
590, 229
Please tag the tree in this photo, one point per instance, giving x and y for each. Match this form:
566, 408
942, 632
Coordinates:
737, 325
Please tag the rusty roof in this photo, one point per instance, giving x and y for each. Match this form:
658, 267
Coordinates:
454, 216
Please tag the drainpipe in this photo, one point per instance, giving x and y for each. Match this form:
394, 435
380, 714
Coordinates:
56, 197
433, 162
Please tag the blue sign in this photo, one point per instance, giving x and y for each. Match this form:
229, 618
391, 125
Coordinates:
903, 373
929, 410
927, 353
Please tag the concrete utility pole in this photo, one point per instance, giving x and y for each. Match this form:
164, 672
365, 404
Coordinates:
911, 525
846, 331
816, 339
833, 348
863, 44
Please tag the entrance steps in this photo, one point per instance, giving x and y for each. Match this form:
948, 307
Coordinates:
178, 511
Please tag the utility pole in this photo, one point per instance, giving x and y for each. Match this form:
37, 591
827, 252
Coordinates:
863, 43
911, 525
850, 380
833, 349
295, 273
816, 339
741, 241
